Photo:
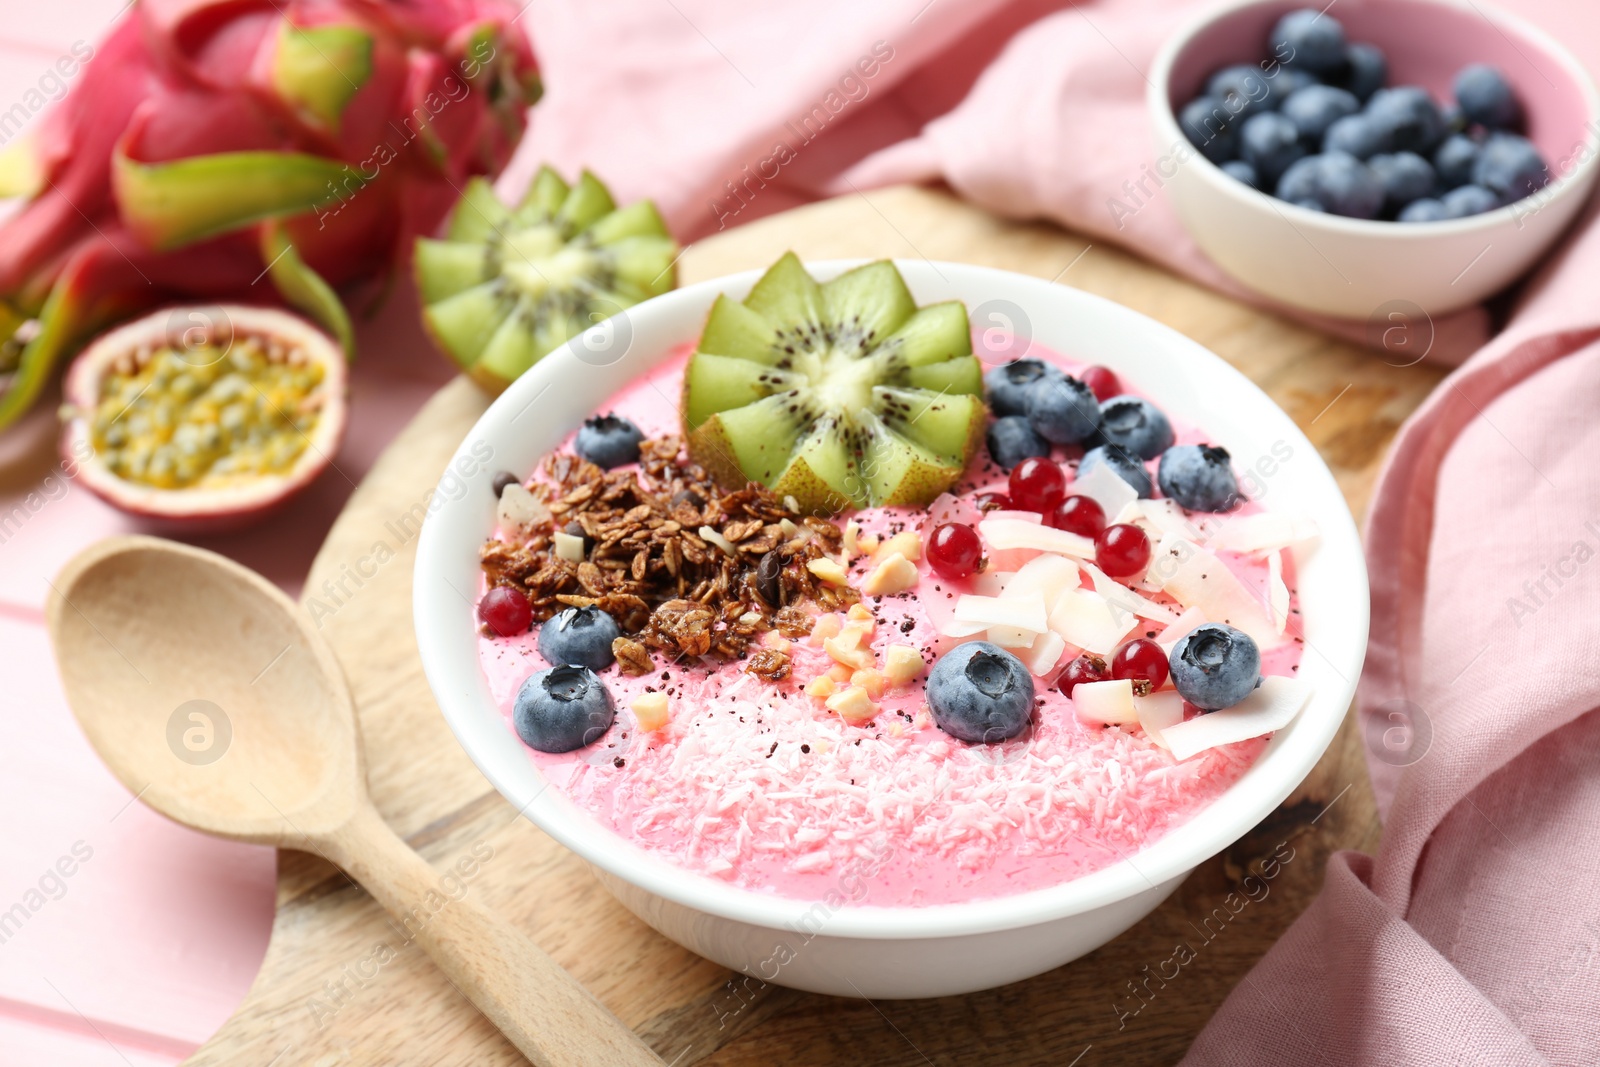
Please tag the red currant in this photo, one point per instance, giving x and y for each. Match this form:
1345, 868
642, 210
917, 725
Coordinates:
1122, 551
1142, 661
954, 551
505, 611
1037, 484
1102, 382
993, 502
1081, 515
1085, 668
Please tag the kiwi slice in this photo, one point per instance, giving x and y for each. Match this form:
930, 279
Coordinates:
839, 394
506, 286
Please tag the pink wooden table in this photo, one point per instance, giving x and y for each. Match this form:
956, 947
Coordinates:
140, 953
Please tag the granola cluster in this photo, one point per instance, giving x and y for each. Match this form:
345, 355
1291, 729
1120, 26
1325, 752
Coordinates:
685, 568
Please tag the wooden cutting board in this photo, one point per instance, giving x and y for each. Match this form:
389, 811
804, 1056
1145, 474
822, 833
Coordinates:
339, 984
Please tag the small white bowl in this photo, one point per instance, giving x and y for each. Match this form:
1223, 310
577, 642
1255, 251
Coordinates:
907, 951
1357, 268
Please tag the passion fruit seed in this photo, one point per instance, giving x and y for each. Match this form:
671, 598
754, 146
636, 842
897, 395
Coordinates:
207, 416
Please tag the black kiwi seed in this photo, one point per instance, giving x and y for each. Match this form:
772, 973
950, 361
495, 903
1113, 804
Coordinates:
502, 480
767, 572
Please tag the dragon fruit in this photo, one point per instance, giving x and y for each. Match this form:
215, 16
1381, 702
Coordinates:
249, 149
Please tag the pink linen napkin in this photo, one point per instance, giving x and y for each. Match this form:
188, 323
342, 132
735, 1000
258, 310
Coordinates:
725, 112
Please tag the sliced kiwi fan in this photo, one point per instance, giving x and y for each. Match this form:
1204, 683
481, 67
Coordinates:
509, 285
838, 394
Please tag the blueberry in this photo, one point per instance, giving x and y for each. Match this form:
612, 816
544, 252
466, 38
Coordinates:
1210, 128
1356, 135
1242, 91
1510, 167
1215, 666
563, 708
1425, 210
1405, 177
580, 636
1409, 119
1270, 143
1454, 120
1009, 384
1123, 464
1307, 38
1063, 410
1485, 97
1012, 439
1338, 182
1240, 171
1455, 160
1364, 71
981, 693
1315, 108
1198, 477
1468, 200
1288, 81
608, 441
1136, 425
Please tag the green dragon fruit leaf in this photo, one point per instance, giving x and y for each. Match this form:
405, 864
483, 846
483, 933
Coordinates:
318, 70
305, 288
56, 334
173, 204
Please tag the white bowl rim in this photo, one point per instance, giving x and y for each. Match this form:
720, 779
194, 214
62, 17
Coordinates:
436, 607
1158, 97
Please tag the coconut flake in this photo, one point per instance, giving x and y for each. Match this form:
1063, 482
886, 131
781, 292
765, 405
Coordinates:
1049, 573
1277, 592
1012, 637
1271, 707
1121, 597
1025, 612
716, 538
1105, 488
1083, 618
1003, 534
1196, 578
1105, 702
1265, 532
1046, 652
1157, 712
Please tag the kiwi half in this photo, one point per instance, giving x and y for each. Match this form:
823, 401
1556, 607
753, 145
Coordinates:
509, 285
838, 394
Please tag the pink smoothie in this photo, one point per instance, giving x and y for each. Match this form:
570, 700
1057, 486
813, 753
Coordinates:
757, 784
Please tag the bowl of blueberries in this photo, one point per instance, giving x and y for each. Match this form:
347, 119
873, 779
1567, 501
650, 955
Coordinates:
1408, 154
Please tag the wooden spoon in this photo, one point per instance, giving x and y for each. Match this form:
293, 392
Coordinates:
208, 693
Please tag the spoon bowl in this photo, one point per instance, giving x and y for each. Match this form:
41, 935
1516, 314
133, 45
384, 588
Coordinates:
224, 716
211, 696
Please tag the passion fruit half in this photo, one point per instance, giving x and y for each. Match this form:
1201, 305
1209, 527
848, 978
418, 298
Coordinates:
204, 418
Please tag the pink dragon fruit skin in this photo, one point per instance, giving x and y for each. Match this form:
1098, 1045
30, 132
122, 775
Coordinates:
208, 141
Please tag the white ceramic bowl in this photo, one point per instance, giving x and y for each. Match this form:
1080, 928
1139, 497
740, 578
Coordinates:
875, 951
1356, 268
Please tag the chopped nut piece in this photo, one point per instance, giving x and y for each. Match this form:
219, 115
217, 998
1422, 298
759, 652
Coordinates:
651, 710
853, 705
852, 531
895, 574
568, 547
825, 627
840, 673
908, 544
632, 657
846, 649
872, 680
902, 663
859, 612
828, 570
868, 544
774, 640
822, 687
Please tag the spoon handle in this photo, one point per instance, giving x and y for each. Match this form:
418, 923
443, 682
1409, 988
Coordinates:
541, 1008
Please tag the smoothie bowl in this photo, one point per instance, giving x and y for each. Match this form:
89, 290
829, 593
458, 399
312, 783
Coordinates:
873, 656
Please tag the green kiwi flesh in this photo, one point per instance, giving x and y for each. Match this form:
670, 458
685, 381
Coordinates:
506, 286
839, 394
